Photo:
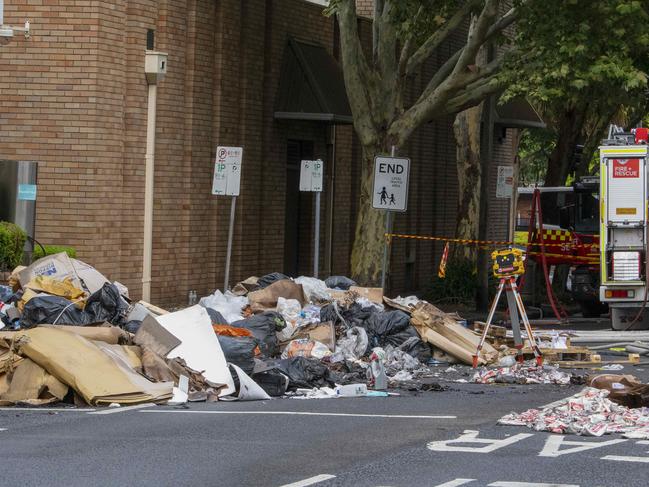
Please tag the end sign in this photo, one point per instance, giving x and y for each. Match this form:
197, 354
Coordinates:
391, 183
227, 171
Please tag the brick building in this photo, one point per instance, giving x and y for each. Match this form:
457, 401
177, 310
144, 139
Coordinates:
74, 98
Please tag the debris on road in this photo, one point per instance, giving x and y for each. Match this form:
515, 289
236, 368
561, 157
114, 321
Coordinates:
269, 337
588, 413
522, 374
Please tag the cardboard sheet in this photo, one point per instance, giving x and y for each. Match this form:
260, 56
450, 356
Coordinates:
266, 299
153, 336
100, 378
109, 334
324, 332
199, 348
57, 266
31, 384
91, 277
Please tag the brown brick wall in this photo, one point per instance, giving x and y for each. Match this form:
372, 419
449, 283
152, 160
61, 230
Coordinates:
74, 97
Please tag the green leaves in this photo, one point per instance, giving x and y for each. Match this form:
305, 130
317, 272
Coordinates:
580, 48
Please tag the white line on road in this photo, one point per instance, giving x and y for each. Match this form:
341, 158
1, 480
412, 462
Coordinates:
619, 458
310, 481
47, 410
3, 429
455, 483
301, 413
527, 484
123, 409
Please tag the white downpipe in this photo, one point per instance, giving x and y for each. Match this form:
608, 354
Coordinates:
148, 193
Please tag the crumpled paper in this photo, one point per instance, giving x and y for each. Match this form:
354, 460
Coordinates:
522, 374
588, 413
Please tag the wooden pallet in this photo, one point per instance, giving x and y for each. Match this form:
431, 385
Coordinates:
495, 331
570, 354
596, 361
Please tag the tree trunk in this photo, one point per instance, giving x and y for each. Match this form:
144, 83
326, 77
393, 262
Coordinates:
467, 138
597, 133
367, 253
561, 157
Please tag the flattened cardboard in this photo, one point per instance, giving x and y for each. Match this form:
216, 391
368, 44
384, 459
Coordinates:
57, 266
199, 348
153, 336
266, 299
100, 378
31, 384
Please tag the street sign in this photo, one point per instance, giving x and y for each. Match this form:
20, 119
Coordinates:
391, 183
227, 171
505, 182
311, 175
27, 192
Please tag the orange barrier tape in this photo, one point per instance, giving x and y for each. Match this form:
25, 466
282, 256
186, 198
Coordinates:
566, 245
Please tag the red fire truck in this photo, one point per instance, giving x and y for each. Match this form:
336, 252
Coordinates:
571, 236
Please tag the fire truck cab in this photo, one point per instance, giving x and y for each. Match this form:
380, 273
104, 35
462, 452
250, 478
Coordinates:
623, 227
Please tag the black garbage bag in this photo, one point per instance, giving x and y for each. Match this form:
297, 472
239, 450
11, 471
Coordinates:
107, 305
264, 327
328, 313
268, 279
381, 325
274, 382
216, 317
103, 305
413, 345
339, 282
239, 351
133, 326
355, 315
53, 310
304, 372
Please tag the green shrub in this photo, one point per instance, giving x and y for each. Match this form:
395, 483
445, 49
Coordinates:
12, 243
53, 249
459, 285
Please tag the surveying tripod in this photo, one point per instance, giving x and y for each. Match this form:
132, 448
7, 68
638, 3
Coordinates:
515, 305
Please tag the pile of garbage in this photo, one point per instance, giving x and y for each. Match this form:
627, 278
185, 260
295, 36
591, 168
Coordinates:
69, 334
526, 373
588, 413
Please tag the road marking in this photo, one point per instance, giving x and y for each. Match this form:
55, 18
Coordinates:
301, 413
310, 481
470, 436
46, 410
455, 483
552, 447
3, 429
123, 409
527, 484
620, 458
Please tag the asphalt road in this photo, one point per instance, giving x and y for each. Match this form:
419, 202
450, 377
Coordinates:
395, 441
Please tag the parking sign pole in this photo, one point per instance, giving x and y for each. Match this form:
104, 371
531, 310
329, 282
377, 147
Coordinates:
228, 254
316, 235
386, 244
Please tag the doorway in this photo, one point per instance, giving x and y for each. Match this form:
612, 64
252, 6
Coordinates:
297, 212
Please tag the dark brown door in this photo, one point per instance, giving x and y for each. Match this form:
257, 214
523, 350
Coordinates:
298, 219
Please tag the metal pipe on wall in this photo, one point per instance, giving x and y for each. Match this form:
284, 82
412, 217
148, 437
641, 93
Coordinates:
148, 192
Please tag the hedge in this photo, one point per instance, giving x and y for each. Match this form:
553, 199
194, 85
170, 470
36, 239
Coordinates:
12, 243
